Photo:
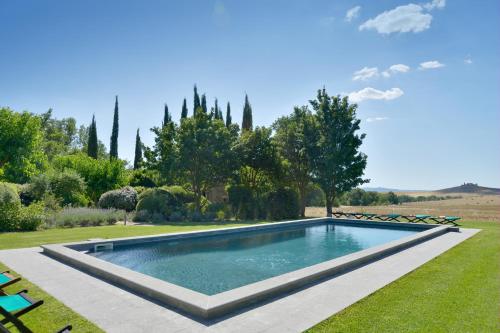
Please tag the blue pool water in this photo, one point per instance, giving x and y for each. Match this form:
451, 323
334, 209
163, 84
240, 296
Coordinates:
214, 264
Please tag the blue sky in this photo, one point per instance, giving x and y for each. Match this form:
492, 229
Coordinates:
425, 74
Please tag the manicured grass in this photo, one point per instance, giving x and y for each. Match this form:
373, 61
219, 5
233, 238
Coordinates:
458, 291
52, 315
14, 240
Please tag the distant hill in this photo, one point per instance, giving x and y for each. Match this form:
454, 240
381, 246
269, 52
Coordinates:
471, 188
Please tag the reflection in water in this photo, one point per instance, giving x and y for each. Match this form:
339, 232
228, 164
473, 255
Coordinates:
218, 263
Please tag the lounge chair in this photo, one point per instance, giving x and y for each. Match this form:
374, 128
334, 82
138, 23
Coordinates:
339, 214
24, 329
14, 306
6, 279
416, 218
389, 217
445, 219
366, 216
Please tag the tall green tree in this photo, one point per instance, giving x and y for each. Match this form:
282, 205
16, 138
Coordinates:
59, 135
138, 151
163, 156
113, 146
21, 146
184, 112
228, 115
206, 157
204, 103
92, 144
260, 164
82, 143
247, 123
291, 142
333, 145
166, 115
196, 100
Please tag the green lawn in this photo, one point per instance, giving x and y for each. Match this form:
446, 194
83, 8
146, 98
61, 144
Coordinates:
457, 292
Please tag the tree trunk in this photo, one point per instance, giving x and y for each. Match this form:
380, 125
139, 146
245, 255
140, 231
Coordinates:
329, 204
302, 194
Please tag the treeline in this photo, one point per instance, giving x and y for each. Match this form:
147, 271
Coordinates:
201, 165
360, 197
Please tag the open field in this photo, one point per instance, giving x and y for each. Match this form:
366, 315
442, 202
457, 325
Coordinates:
470, 207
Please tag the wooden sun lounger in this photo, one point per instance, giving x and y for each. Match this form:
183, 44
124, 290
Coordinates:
416, 218
6, 279
13, 315
445, 219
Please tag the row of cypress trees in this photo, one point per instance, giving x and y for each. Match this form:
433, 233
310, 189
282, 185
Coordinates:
198, 102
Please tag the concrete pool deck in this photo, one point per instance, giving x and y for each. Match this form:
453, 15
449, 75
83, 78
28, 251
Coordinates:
117, 310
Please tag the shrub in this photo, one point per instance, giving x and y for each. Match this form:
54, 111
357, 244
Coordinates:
69, 187
315, 196
13, 215
241, 201
83, 217
157, 200
180, 193
125, 198
145, 178
283, 203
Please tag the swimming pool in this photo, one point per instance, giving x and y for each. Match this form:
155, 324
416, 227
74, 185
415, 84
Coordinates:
215, 272
214, 264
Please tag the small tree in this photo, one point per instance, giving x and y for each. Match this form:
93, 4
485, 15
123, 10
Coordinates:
184, 112
228, 115
166, 115
138, 151
196, 100
204, 103
163, 156
113, 147
247, 123
92, 145
333, 146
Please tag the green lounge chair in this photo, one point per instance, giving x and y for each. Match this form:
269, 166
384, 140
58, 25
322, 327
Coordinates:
445, 219
6, 279
389, 217
24, 329
14, 306
416, 218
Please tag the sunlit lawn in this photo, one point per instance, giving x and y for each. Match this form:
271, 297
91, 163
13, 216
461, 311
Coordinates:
457, 292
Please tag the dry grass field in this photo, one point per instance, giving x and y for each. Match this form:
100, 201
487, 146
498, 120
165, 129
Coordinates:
471, 207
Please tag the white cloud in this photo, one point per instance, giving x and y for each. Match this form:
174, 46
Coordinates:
365, 73
468, 60
369, 120
408, 18
352, 13
430, 65
398, 68
372, 93
434, 4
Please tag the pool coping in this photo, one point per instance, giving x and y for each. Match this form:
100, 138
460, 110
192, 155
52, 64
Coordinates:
208, 307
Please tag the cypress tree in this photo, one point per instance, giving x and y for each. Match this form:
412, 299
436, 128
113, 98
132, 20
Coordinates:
92, 145
184, 112
166, 116
196, 103
246, 124
216, 110
228, 115
204, 103
138, 151
113, 147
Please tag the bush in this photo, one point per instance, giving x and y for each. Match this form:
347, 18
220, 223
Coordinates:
159, 201
315, 196
283, 203
181, 194
145, 178
241, 201
13, 215
69, 187
84, 217
125, 198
